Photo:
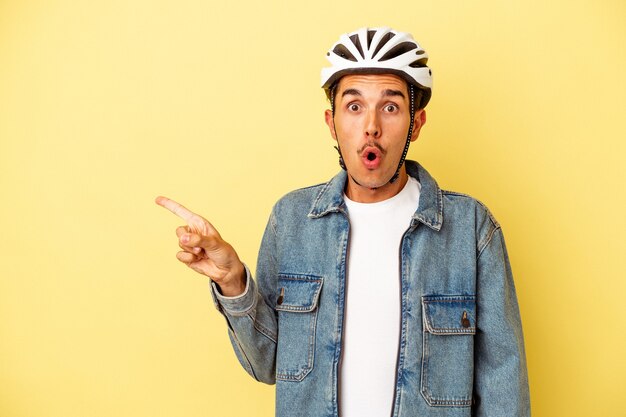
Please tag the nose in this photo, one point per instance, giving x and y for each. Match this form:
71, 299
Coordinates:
372, 125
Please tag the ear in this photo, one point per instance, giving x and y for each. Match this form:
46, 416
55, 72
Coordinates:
418, 122
328, 117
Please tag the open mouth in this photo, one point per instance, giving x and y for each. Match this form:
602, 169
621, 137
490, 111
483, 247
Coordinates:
371, 157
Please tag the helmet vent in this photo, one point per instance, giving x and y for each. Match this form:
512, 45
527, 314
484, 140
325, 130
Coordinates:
386, 38
370, 36
398, 50
355, 40
343, 52
419, 63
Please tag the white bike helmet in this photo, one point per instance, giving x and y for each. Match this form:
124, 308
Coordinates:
379, 51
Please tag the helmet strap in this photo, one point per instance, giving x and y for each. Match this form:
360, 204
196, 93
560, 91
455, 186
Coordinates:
342, 164
408, 138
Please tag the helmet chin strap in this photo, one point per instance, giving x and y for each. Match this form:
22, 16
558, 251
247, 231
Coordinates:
395, 176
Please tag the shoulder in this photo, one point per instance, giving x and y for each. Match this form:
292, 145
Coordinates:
301, 196
465, 202
463, 208
297, 204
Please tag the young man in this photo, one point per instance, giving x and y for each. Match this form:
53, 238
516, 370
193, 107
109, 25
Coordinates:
376, 293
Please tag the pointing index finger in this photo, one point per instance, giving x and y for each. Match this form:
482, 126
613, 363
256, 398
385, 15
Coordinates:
176, 208
197, 224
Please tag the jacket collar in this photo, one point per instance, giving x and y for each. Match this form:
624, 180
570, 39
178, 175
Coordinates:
429, 212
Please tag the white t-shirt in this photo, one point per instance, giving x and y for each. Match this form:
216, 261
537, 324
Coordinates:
372, 311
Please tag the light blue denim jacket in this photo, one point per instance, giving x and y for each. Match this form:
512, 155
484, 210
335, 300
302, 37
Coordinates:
461, 350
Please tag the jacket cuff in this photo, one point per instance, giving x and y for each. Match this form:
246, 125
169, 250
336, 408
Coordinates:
239, 304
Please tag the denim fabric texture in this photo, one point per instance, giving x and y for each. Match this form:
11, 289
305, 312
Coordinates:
461, 346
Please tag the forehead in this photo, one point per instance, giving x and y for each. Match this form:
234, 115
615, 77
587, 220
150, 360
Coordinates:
371, 83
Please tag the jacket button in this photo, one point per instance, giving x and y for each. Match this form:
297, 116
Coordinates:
464, 320
281, 297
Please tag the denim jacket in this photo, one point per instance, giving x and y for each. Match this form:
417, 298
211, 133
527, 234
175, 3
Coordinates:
461, 349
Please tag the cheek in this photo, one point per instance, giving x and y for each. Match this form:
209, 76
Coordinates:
352, 125
398, 128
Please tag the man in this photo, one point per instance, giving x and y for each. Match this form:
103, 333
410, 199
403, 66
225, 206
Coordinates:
376, 293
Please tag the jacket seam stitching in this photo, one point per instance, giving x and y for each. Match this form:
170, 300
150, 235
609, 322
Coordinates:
262, 329
243, 354
321, 194
273, 224
486, 241
491, 217
241, 313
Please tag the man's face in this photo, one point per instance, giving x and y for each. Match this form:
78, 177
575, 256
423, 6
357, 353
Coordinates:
372, 117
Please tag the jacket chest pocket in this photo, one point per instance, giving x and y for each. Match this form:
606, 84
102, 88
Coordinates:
448, 350
296, 304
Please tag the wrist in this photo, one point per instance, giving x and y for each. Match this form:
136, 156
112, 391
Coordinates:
234, 283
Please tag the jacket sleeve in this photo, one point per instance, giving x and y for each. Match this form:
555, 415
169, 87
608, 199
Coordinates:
251, 319
500, 375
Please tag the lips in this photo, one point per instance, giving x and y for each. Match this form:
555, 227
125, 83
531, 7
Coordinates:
371, 157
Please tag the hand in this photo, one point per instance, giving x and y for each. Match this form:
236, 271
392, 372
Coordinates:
204, 250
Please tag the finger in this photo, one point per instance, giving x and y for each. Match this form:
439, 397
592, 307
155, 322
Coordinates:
186, 257
176, 208
181, 231
207, 242
183, 241
196, 222
183, 237
189, 239
192, 249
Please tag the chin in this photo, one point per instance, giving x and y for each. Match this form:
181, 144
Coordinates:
367, 181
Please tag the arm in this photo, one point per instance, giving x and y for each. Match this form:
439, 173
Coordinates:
251, 318
500, 376
251, 322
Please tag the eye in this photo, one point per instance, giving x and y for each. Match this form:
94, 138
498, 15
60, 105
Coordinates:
353, 107
391, 108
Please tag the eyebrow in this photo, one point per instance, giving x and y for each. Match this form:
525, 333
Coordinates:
392, 93
385, 93
351, 92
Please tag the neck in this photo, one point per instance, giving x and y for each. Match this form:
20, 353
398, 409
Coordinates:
361, 194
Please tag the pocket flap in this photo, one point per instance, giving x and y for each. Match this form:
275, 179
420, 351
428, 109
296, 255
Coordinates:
449, 314
298, 293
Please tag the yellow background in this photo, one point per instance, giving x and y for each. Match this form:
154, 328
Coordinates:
106, 104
